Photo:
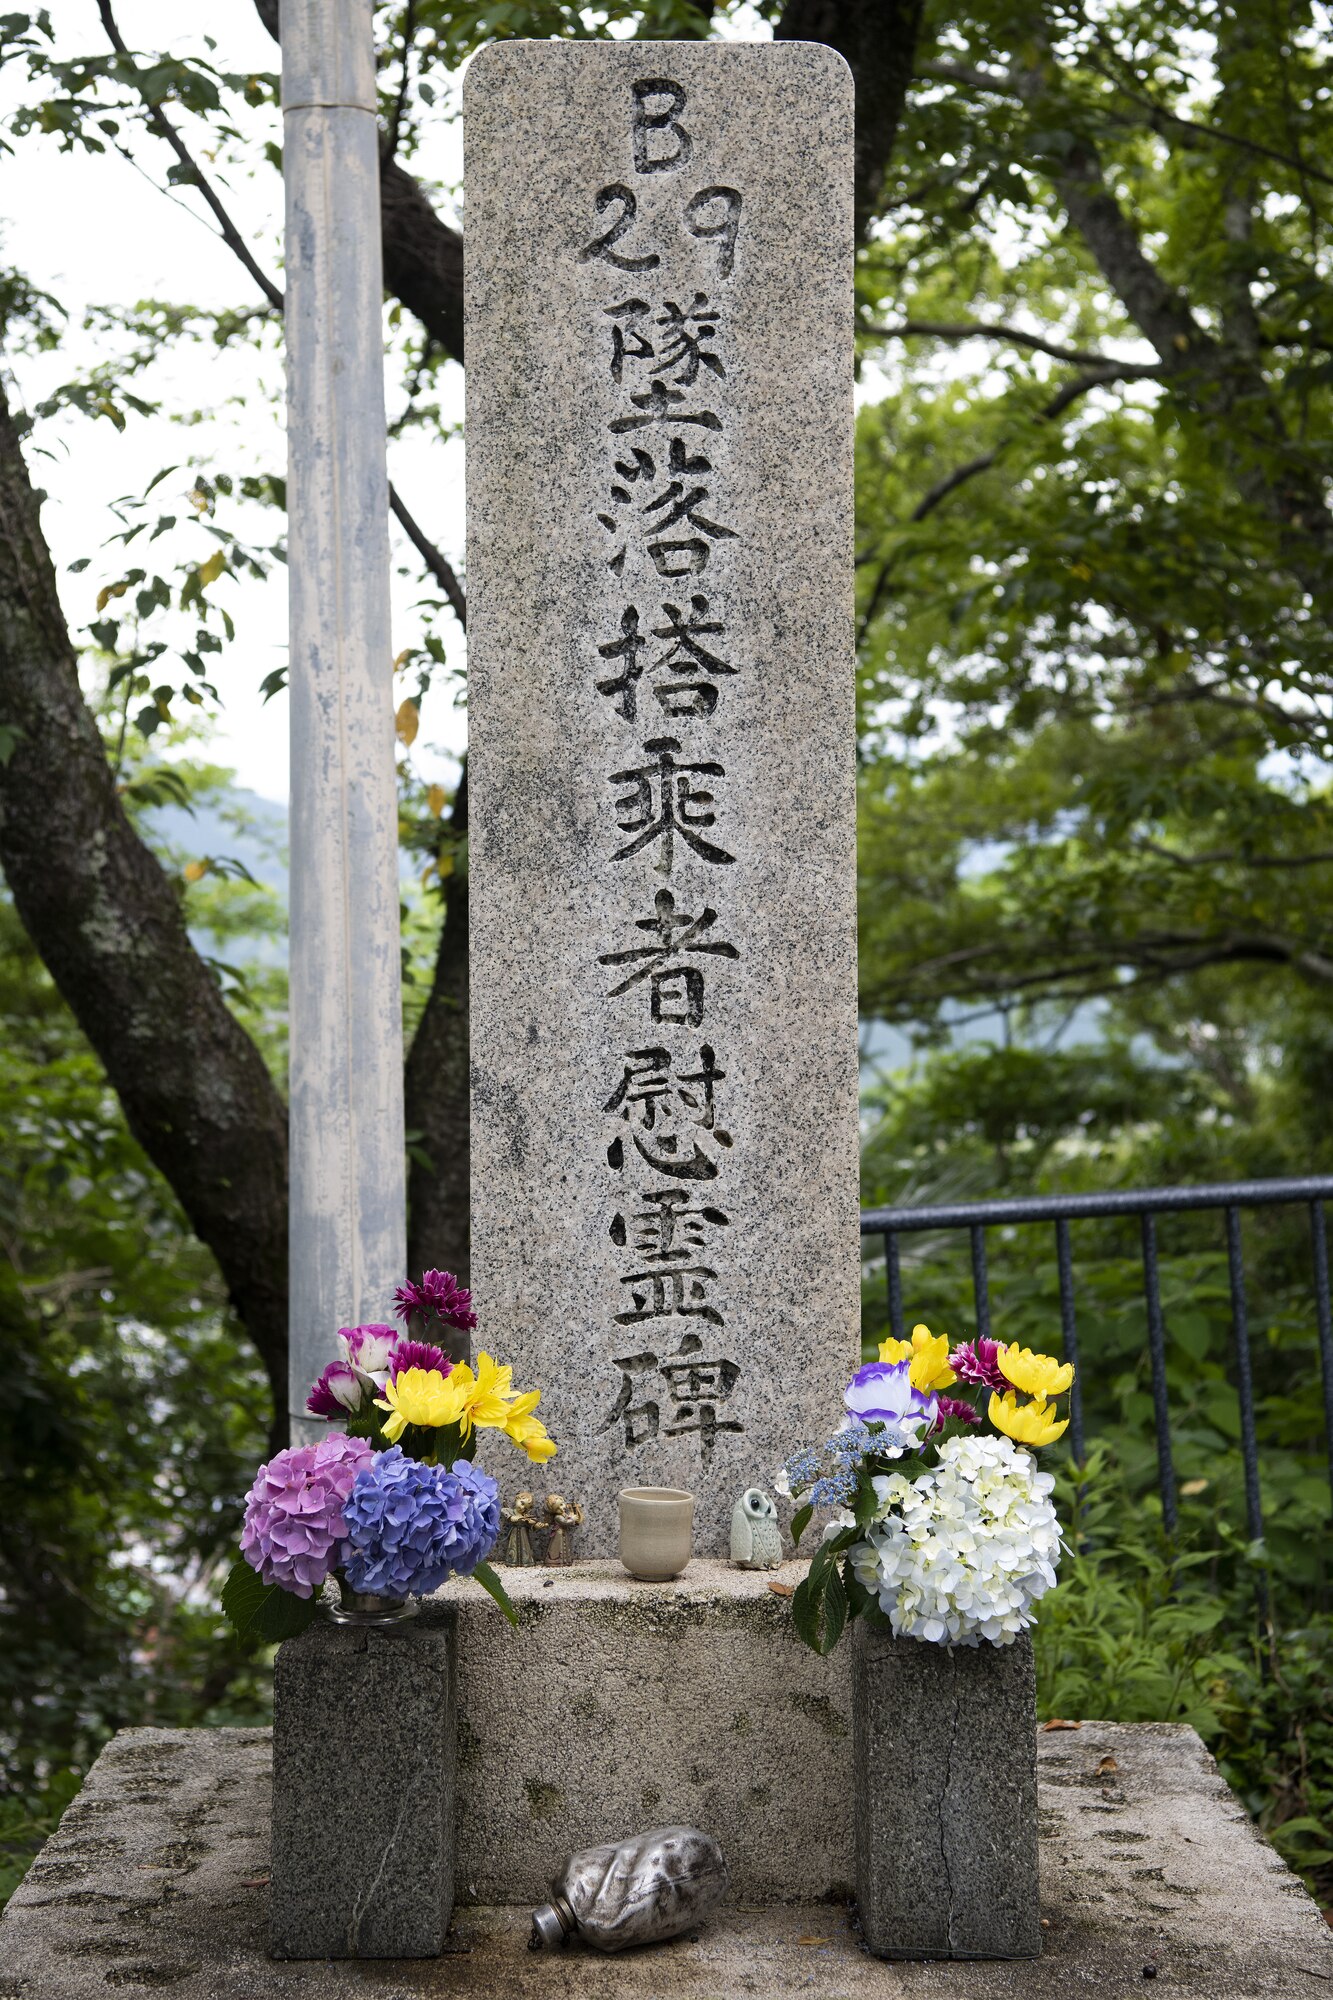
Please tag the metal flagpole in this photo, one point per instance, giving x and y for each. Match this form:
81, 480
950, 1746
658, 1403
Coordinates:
348, 1209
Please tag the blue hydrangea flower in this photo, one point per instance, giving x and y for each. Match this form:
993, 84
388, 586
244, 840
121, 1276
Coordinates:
410, 1526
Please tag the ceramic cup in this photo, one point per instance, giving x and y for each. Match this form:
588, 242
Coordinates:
655, 1527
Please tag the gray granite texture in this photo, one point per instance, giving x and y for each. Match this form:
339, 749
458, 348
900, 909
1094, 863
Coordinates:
661, 778
155, 1882
363, 1792
620, 1705
945, 1777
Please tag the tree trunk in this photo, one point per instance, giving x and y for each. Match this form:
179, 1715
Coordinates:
438, 1186
110, 927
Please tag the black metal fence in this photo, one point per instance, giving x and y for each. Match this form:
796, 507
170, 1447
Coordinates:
1147, 1204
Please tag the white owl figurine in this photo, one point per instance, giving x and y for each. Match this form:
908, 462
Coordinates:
756, 1539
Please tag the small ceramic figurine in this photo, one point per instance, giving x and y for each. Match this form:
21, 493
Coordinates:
519, 1550
756, 1539
562, 1516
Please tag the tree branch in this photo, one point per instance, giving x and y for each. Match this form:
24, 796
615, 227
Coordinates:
1013, 336
439, 567
161, 124
112, 931
998, 82
1095, 378
1234, 857
1096, 963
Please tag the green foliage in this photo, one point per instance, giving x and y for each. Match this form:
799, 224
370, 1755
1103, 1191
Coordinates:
491, 1584
1141, 1632
132, 1419
1094, 644
263, 1611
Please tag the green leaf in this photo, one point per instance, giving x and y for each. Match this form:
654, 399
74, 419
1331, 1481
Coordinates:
491, 1583
262, 1611
835, 1611
819, 1606
805, 1609
800, 1521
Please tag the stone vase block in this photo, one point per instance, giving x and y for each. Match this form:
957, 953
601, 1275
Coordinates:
945, 1762
364, 1727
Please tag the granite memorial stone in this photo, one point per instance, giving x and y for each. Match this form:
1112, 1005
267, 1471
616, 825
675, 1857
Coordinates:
364, 1731
944, 1760
663, 879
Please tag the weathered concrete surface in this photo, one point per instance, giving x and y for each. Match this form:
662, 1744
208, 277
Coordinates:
619, 1705
363, 1792
945, 1781
155, 1881
661, 772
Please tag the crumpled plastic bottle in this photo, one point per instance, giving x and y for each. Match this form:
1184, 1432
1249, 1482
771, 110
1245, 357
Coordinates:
638, 1891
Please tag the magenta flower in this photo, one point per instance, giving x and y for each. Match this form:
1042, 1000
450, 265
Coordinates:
418, 1354
337, 1391
977, 1361
368, 1349
954, 1406
295, 1523
438, 1293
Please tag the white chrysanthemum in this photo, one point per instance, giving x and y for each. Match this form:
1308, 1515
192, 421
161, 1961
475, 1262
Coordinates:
963, 1552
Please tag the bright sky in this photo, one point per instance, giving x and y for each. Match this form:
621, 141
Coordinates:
94, 231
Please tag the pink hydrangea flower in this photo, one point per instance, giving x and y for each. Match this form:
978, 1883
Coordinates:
295, 1526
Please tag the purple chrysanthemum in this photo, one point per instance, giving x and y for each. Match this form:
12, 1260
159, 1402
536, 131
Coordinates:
337, 1391
439, 1293
410, 1526
418, 1354
294, 1519
976, 1361
955, 1407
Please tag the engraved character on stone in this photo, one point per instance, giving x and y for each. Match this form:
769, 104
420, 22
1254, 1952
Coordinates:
697, 1383
667, 1230
663, 804
677, 991
629, 339
687, 345
650, 1102
682, 1289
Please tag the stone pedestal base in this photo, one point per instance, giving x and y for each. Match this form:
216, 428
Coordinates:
620, 1705
945, 1757
156, 1882
363, 1792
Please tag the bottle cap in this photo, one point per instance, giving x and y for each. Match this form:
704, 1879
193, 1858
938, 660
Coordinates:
551, 1925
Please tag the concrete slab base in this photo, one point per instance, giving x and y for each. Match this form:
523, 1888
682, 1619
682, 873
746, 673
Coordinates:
157, 1879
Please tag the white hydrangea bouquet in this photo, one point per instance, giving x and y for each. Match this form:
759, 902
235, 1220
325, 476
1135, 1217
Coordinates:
943, 1531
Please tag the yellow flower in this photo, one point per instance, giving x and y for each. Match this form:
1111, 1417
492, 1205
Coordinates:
490, 1397
531, 1434
1027, 1423
929, 1355
1038, 1375
424, 1396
